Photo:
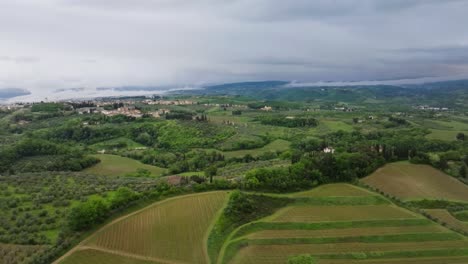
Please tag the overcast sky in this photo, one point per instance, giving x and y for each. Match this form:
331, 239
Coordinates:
52, 44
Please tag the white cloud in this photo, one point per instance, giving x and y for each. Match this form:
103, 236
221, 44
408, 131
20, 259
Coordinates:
52, 44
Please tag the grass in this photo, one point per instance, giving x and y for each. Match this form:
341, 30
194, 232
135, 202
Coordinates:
389, 238
449, 131
336, 200
445, 217
260, 226
336, 189
375, 239
410, 181
280, 253
341, 213
333, 125
112, 165
462, 215
241, 208
345, 232
173, 230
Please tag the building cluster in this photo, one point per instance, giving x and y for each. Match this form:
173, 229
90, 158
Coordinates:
12, 106
159, 113
431, 108
126, 111
329, 150
169, 102
344, 109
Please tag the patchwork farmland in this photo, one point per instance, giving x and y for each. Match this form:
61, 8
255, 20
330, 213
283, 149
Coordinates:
333, 223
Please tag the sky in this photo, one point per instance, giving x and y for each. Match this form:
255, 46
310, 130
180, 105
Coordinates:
47, 45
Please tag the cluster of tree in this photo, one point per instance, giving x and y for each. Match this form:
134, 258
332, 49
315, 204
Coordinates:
179, 115
94, 211
236, 112
49, 107
69, 162
395, 121
299, 121
201, 118
64, 158
145, 134
196, 161
312, 169
82, 104
86, 134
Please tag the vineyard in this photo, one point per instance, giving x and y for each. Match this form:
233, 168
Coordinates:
170, 231
410, 181
334, 223
344, 233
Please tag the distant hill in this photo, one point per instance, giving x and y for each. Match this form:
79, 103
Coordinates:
12, 92
442, 94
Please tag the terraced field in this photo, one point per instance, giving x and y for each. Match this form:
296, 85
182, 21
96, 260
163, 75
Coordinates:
410, 181
336, 223
334, 190
172, 231
346, 233
445, 217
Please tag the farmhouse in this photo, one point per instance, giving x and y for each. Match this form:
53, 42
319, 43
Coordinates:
126, 111
159, 113
266, 108
329, 150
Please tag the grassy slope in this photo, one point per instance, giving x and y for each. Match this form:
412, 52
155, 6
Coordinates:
112, 165
277, 145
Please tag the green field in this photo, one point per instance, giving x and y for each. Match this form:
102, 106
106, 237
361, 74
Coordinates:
112, 165
277, 145
447, 130
335, 190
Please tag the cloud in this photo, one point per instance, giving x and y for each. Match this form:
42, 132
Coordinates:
57, 44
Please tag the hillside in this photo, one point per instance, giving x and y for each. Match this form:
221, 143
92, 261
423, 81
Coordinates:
409, 182
336, 223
